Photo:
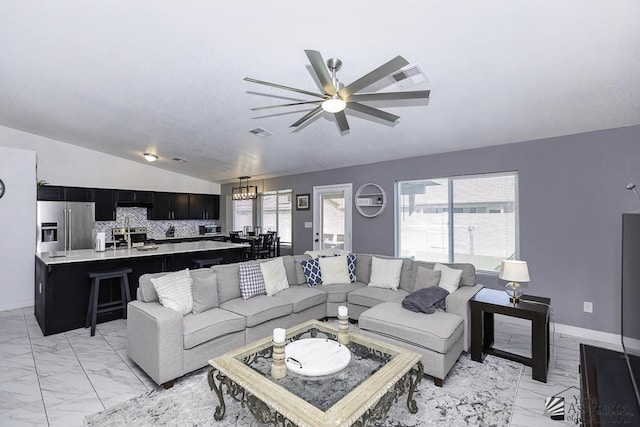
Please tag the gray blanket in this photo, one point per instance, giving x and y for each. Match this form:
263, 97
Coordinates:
426, 300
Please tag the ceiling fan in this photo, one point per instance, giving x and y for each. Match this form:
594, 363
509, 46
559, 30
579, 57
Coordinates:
337, 97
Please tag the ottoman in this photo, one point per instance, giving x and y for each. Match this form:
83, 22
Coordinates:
437, 336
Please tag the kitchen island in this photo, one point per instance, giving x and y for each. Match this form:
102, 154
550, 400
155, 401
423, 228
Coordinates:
62, 279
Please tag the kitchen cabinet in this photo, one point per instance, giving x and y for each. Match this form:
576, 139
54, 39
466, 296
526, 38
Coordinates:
51, 193
204, 206
180, 206
212, 206
79, 194
161, 206
134, 196
105, 208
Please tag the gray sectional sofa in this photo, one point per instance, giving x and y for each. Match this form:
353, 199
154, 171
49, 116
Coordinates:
167, 345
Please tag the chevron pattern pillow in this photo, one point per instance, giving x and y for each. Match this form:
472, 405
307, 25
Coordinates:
311, 270
351, 267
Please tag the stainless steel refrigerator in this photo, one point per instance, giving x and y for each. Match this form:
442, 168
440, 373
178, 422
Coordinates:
64, 226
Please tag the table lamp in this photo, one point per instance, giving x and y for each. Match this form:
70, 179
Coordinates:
514, 271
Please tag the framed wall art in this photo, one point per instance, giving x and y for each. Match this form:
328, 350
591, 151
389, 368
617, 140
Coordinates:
303, 202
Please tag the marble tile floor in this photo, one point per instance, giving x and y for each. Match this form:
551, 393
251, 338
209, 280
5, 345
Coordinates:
57, 380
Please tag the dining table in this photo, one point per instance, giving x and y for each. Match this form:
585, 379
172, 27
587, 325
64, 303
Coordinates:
253, 242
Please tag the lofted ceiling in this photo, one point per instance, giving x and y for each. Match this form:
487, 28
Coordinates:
127, 77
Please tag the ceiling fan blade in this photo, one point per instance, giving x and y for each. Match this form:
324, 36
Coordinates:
368, 79
389, 96
307, 116
341, 118
285, 105
321, 71
248, 79
372, 111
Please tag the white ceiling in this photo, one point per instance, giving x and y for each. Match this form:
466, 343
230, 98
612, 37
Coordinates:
125, 77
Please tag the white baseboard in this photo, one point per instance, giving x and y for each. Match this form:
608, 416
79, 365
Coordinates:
574, 331
16, 304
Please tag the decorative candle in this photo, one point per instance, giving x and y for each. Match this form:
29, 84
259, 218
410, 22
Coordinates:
343, 311
279, 335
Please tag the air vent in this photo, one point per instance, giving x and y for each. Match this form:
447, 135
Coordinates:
179, 160
262, 133
409, 76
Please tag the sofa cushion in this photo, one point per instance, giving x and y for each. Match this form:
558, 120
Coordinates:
450, 277
274, 275
426, 277
369, 296
175, 291
385, 273
295, 275
146, 292
311, 269
251, 280
363, 268
302, 297
205, 291
334, 270
437, 331
211, 324
338, 292
228, 278
468, 271
406, 274
259, 309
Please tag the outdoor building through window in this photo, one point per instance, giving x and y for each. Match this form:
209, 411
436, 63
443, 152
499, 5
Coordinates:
470, 219
242, 214
276, 213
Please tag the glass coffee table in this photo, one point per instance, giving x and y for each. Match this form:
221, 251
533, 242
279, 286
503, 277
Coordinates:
363, 392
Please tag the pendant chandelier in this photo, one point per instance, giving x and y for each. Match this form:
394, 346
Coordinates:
244, 192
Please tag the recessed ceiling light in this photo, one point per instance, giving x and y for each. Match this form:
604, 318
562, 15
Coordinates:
150, 157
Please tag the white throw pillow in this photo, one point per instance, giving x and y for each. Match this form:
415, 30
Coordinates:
174, 291
450, 277
327, 252
275, 276
385, 273
334, 270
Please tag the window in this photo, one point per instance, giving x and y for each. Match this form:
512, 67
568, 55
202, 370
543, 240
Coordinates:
470, 219
242, 214
276, 213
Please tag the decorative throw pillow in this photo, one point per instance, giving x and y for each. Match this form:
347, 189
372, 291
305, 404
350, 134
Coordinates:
385, 273
174, 291
205, 293
426, 277
274, 275
251, 280
450, 277
351, 266
334, 270
311, 270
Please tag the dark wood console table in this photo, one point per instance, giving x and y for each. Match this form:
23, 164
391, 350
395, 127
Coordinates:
488, 302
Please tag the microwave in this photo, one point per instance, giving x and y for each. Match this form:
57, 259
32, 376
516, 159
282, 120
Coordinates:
210, 229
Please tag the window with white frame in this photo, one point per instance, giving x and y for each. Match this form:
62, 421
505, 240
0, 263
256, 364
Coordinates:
242, 214
471, 218
276, 213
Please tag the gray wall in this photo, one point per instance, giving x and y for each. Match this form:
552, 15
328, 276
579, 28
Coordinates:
572, 195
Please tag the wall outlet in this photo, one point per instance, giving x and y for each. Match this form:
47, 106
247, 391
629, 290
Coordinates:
588, 307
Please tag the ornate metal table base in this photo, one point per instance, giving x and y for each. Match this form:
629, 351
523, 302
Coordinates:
264, 414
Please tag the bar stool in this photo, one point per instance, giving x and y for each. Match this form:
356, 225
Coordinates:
202, 263
94, 308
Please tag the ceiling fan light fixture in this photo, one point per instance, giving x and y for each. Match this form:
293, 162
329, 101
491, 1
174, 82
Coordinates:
149, 157
334, 105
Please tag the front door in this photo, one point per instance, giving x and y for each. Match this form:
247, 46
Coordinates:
332, 217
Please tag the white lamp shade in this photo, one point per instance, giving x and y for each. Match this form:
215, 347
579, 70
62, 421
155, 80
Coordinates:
334, 105
514, 271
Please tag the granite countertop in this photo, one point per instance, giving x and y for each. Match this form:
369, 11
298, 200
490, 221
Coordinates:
191, 236
88, 255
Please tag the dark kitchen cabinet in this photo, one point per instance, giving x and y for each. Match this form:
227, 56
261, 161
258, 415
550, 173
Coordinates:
212, 206
105, 208
131, 196
179, 206
78, 194
161, 206
51, 193
196, 206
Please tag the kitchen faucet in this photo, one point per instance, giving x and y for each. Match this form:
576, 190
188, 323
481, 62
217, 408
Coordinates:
127, 233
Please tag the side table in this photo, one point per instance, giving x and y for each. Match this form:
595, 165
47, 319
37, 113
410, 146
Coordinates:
488, 302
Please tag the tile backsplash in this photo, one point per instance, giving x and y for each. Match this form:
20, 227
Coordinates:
155, 229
